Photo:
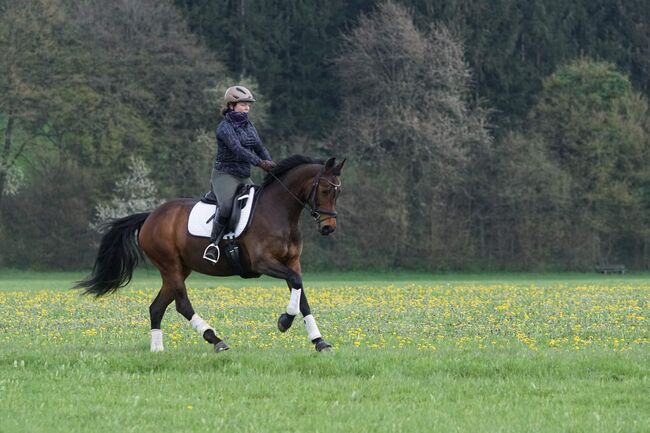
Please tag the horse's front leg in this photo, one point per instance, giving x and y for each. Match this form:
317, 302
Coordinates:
297, 304
286, 319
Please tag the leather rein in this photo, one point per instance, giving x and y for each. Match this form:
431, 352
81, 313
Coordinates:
312, 203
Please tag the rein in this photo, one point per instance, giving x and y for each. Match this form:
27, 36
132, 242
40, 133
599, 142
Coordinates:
312, 204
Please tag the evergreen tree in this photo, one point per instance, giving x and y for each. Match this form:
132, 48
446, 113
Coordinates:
288, 46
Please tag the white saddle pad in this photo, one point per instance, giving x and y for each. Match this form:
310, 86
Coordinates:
200, 220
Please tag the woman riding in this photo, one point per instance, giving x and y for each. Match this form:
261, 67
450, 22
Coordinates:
238, 147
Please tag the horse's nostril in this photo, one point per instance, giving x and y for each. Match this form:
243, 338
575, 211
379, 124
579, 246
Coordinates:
326, 230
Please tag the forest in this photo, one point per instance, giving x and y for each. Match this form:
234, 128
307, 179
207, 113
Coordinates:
479, 135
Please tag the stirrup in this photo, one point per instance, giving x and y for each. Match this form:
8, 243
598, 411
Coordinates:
211, 259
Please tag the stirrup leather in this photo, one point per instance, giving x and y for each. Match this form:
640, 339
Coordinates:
210, 259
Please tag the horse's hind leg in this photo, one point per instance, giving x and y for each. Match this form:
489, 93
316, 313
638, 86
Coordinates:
159, 305
184, 307
156, 312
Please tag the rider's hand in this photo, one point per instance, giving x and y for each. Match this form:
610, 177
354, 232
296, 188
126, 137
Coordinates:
267, 165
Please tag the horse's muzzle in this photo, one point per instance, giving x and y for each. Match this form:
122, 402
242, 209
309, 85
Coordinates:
326, 230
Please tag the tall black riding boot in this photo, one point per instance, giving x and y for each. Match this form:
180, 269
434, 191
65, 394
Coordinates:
212, 252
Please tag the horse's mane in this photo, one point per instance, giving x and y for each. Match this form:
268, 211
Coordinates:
287, 164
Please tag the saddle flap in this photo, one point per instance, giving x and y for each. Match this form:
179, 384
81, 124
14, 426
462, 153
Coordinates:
241, 198
199, 222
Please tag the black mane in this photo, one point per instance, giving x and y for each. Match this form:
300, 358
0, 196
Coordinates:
287, 164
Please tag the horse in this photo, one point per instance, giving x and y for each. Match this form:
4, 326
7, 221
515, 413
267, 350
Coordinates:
271, 245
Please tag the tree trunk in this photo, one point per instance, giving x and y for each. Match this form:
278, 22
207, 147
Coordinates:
4, 158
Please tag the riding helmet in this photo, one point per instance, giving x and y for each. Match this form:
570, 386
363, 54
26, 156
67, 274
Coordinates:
238, 94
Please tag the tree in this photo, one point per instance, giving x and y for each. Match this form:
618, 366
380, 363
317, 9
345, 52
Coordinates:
27, 32
530, 198
97, 84
85, 86
288, 47
142, 58
46, 224
134, 193
407, 118
595, 127
512, 45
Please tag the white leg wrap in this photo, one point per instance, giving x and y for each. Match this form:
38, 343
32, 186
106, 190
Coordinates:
294, 302
199, 324
312, 328
156, 340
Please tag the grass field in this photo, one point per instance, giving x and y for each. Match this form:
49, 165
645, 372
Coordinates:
413, 353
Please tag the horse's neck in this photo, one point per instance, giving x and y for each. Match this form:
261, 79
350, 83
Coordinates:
297, 181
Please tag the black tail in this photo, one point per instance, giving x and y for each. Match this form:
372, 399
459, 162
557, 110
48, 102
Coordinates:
118, 255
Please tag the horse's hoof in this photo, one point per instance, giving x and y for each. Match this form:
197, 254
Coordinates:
221, 346
285, 321
323, 346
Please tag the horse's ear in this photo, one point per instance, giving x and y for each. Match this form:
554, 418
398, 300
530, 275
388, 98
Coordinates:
339, 167
329, 164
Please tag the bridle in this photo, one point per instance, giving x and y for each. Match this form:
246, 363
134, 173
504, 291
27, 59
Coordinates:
312, 203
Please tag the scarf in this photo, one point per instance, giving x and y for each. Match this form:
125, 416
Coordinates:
237, 119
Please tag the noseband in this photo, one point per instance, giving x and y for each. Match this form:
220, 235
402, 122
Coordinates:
315, 211
312, 202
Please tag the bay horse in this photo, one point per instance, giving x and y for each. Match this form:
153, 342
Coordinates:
271, 246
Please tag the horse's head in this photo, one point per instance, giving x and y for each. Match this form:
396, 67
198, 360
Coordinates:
325, 190
313, 185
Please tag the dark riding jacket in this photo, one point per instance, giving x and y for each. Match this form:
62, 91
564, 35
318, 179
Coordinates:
238, 146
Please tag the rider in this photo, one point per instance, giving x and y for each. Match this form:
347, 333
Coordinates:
238, 147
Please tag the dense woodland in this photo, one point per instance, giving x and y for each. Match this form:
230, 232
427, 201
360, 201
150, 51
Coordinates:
479, 134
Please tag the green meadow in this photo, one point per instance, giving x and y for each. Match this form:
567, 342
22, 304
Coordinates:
413, 353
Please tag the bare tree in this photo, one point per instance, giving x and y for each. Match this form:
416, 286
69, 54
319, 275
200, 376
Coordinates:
407, 119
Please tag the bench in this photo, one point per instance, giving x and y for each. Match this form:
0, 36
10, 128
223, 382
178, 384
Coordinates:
611, 269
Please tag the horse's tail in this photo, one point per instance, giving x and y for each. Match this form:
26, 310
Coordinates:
118, 255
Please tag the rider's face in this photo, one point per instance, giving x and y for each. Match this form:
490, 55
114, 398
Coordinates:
242, 107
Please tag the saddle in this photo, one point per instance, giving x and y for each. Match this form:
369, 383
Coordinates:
199, 222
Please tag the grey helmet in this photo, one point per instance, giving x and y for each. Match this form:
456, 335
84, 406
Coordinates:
236, 94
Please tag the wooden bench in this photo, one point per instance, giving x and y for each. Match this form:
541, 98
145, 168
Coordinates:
611, 269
